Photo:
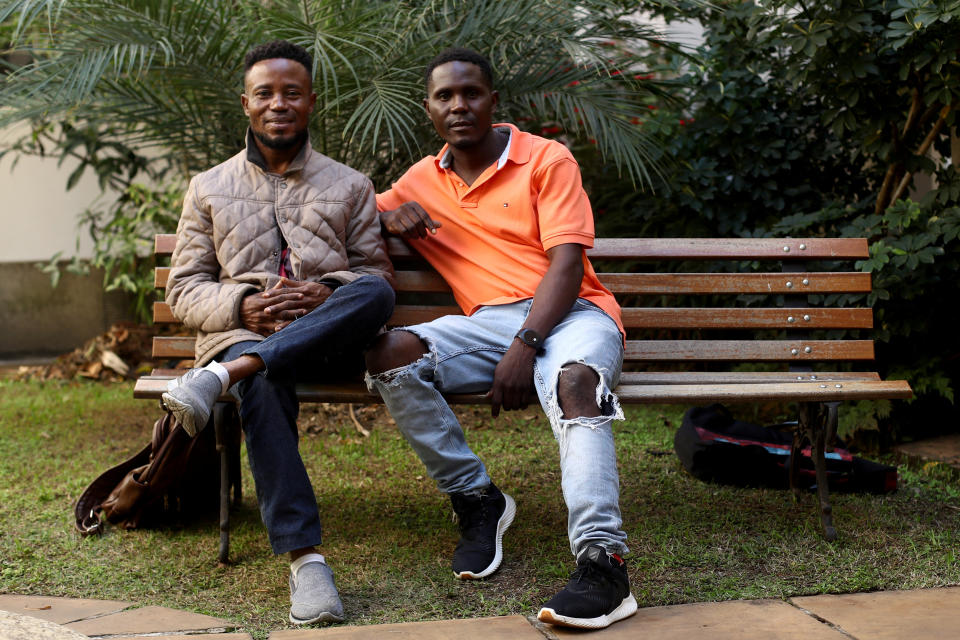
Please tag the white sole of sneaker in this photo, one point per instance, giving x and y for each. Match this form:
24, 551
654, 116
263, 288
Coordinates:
627, 608
182, 412
509, 510
326, 616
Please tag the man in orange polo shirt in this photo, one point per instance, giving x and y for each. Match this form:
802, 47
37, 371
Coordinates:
502, 216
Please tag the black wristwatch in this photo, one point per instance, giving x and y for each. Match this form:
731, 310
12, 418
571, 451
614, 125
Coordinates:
530, 338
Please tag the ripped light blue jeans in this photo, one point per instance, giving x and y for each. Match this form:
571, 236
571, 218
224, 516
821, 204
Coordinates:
463, 353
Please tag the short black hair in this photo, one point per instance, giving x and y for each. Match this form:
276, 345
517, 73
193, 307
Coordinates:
278, 49
459, 54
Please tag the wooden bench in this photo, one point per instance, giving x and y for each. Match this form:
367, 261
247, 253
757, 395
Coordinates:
783, 320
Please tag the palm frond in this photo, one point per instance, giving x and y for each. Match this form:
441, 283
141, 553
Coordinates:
168, 72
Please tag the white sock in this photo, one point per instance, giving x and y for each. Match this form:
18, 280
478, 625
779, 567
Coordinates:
305, 559
221, 372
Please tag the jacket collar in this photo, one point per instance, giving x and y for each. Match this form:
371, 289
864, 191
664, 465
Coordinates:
255, 157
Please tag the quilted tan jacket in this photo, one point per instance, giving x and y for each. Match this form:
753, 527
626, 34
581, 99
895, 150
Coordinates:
229, 242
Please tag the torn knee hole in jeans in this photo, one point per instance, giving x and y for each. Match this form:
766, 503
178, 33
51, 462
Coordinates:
395, 377
605, 399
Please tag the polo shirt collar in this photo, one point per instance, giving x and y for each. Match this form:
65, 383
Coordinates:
517, 149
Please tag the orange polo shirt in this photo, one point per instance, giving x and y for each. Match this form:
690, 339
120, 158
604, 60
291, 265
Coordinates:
492, 246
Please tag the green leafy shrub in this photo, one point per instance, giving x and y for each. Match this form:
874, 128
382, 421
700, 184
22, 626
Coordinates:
813, 120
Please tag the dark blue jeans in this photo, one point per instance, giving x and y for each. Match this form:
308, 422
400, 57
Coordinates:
324, 345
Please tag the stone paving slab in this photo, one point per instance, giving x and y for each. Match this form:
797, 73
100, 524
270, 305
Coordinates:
732, 620
192, 636
500, 628
14, 626
890, 615
149, 620
59, 610
945, 449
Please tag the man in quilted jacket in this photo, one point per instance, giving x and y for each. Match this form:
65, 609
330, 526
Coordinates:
281, 268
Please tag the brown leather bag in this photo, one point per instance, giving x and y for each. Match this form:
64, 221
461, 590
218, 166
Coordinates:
173, 477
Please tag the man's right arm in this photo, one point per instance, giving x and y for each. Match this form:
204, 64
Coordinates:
404, 219
194, 291
409, 220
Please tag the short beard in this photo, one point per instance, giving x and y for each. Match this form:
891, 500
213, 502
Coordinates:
281, 144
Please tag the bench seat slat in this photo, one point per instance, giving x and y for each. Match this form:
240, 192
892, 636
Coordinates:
630, 393
741, 393
689, 377
674, 248
739, 377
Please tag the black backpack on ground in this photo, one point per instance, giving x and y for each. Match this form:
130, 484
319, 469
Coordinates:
715, 447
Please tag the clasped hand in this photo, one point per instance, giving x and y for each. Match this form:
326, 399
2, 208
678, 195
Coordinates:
268, 312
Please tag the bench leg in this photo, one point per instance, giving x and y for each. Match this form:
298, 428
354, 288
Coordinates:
220, 413
795, 452
817, 420
235, 435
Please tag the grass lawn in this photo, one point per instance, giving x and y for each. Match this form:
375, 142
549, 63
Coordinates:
389, 533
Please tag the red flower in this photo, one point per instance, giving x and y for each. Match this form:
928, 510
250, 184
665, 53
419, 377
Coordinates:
683, 122
550, 130
636, 121
573, 84
652, 107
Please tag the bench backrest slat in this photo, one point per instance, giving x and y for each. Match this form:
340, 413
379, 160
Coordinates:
748, 350
667, 350
658, 317
673, 248
666, 283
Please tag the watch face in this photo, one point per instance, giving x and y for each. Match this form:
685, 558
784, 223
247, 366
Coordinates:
529, 337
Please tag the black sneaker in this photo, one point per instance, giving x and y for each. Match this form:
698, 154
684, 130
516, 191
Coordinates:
482, 519
597, 595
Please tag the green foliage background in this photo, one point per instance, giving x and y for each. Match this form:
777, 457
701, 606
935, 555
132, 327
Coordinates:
812, 119
148, 90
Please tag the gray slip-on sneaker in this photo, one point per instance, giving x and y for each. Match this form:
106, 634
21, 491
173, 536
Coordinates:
190, 398
313, 596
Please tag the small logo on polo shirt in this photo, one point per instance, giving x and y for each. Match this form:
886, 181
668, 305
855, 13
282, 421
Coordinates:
506, 204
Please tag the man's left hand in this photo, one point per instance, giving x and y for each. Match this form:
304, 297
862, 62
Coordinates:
513, 379
309, 296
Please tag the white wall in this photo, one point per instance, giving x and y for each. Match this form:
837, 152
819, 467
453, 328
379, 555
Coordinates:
39, 216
